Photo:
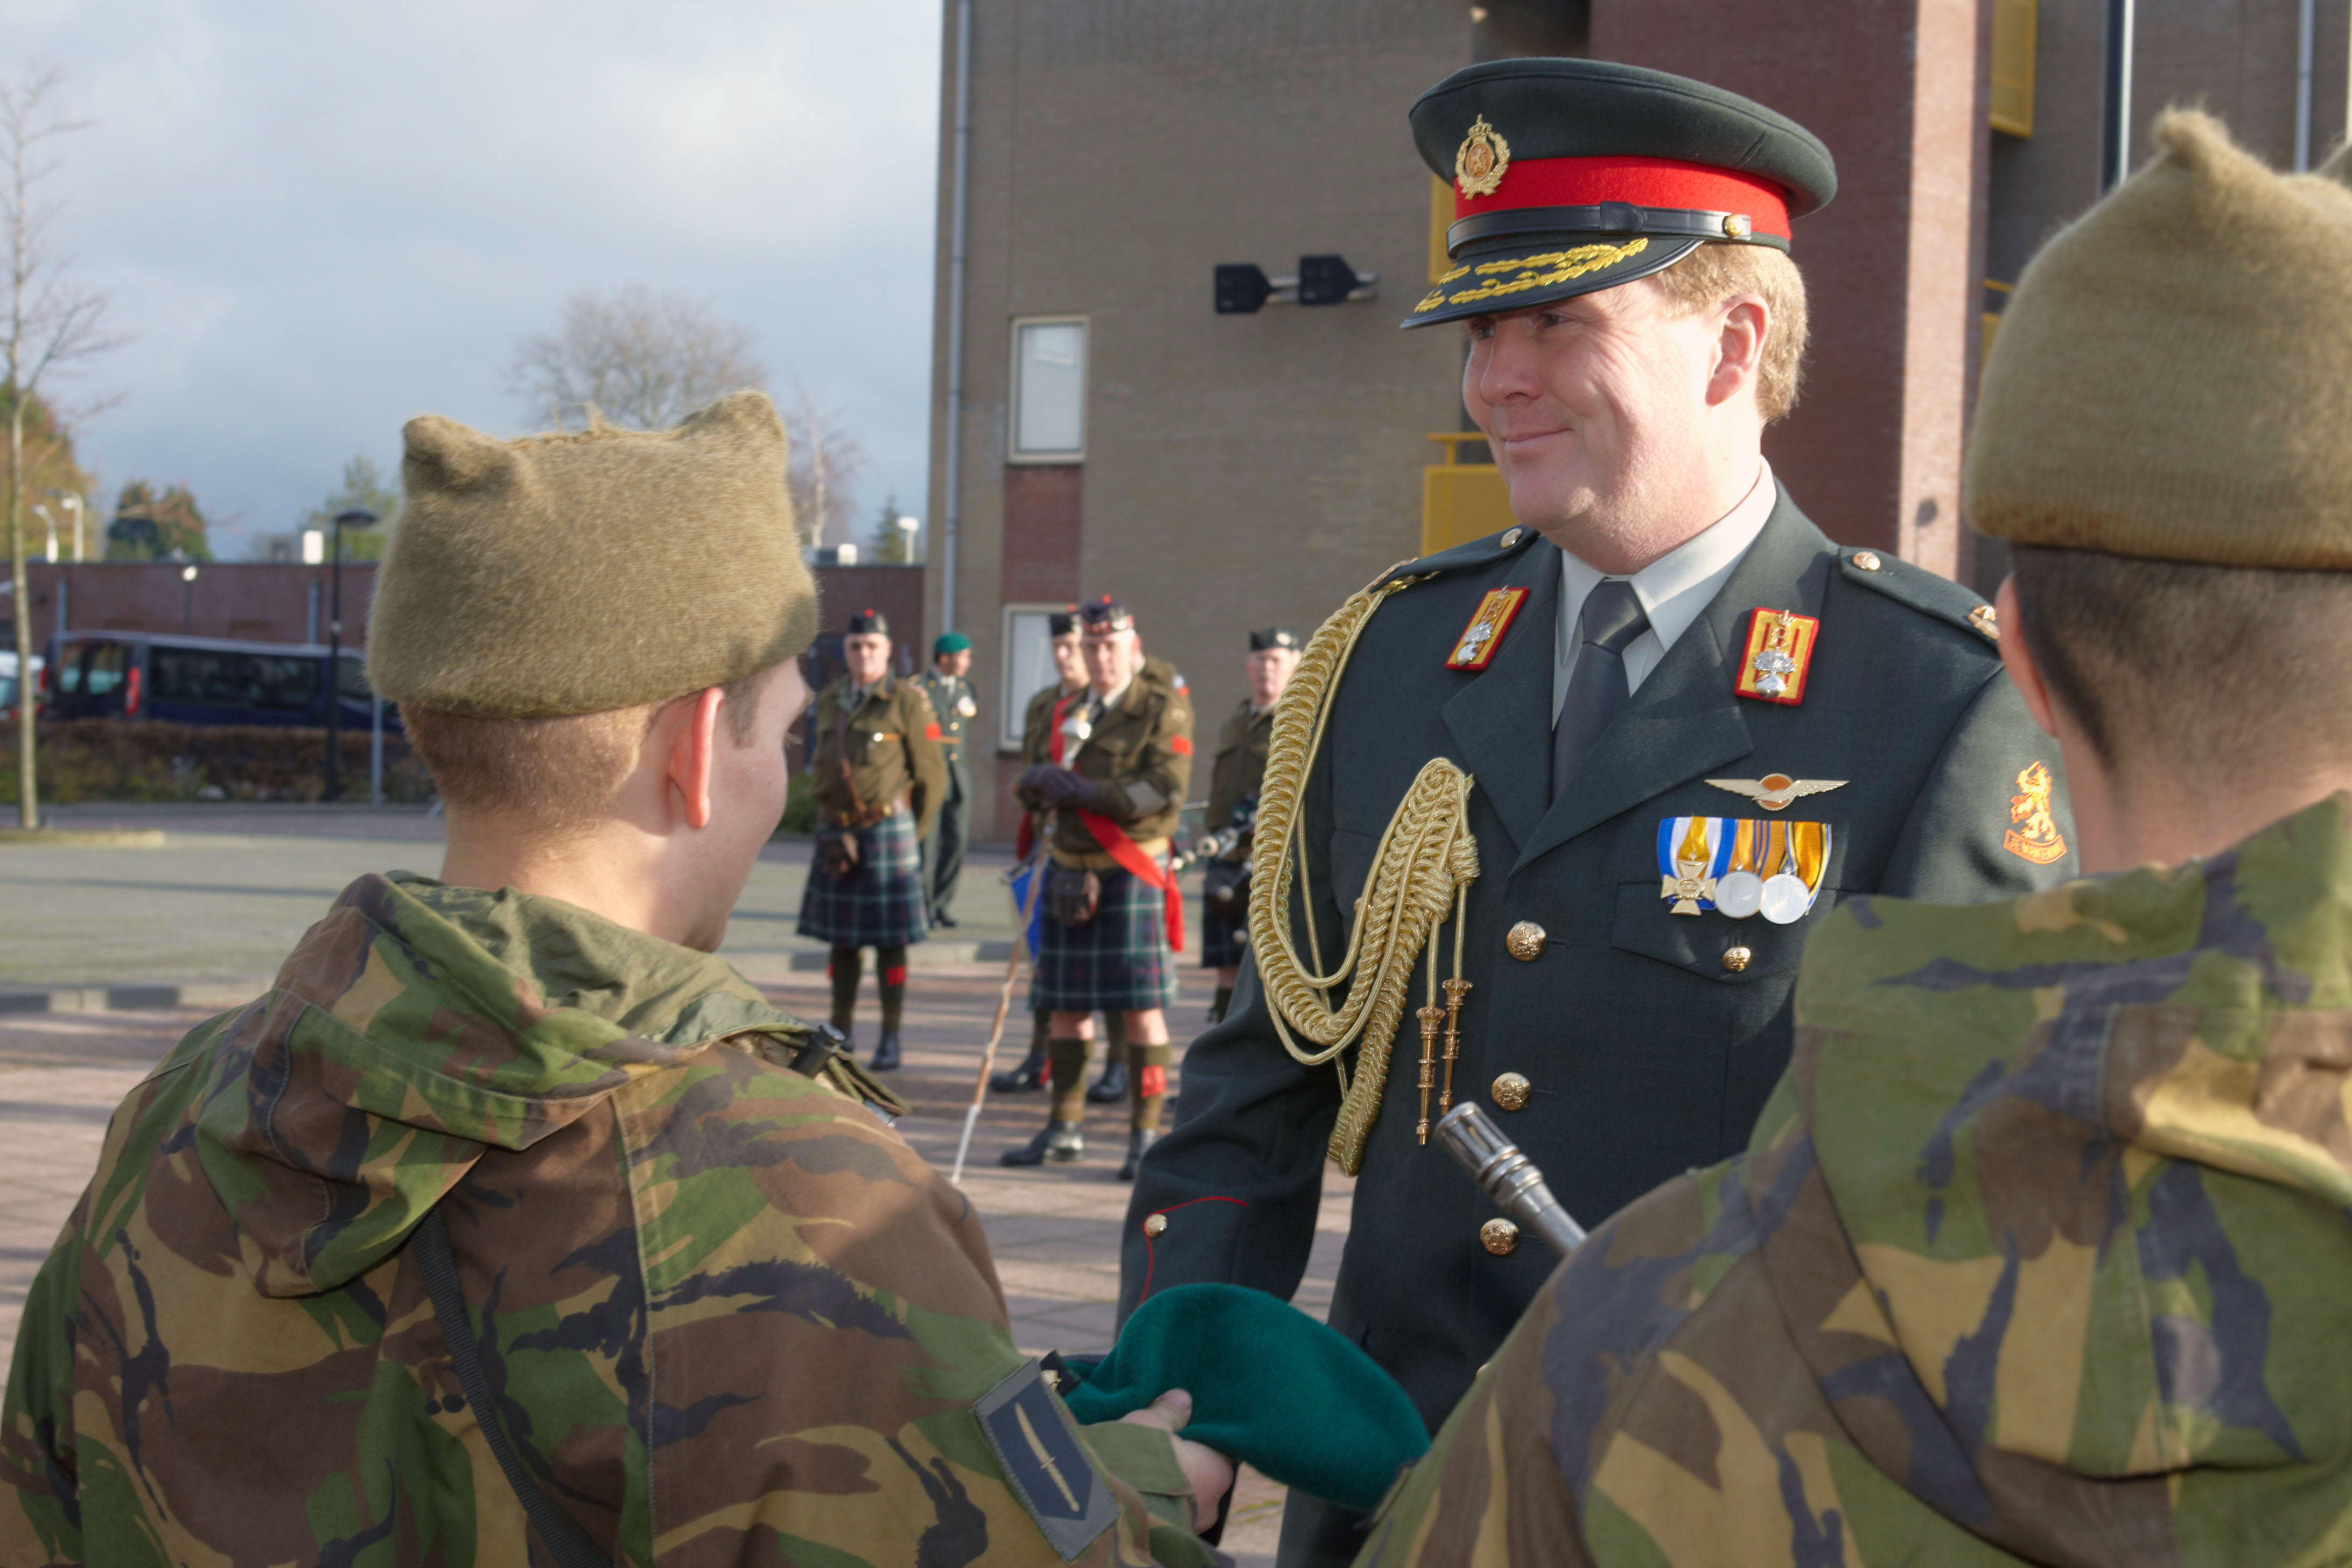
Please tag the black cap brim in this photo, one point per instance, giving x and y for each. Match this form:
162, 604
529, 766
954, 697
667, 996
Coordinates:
1555, 267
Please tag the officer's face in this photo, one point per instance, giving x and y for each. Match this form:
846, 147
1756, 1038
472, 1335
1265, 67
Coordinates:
867, 654
1269, 672
1109, 661
1610, 415
1069, 663
955, 664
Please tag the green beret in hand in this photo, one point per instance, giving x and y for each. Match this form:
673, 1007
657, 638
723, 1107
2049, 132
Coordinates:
1270, 1386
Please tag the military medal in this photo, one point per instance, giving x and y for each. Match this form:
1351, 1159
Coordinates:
1788, 894
1739, 892
1475, 648
1689, 849
1779, 654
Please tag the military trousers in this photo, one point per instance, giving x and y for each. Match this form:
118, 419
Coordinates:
943, 850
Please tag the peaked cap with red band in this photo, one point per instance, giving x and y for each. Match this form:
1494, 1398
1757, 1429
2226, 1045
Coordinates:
1572, 176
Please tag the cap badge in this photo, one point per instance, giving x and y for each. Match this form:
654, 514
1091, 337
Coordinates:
1479, 162
1773, 791
2037, 838
1475, 648
1779, 654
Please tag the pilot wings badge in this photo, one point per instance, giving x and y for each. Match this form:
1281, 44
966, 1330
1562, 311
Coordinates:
1773, 791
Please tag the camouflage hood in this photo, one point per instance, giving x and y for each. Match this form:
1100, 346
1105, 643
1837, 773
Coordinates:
416, 1025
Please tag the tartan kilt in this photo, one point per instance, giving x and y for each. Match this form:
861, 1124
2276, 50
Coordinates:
881, 903
1117, 962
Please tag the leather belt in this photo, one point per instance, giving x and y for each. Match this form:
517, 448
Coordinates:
867, 817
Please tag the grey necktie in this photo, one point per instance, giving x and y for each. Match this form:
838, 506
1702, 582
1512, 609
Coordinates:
1611, 619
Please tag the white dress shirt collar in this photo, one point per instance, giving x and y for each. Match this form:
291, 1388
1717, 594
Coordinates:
1675, 589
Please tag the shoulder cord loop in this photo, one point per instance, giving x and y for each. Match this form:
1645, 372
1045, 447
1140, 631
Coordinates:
1420, 873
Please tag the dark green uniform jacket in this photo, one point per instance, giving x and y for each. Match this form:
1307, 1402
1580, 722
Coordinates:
1646, 1055
1240, 766
2038, 1254
1139, 755
953, 704
1037, 727
893, 741
729, 1317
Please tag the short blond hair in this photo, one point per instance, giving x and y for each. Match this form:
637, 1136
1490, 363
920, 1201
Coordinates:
555, 775
1715, 273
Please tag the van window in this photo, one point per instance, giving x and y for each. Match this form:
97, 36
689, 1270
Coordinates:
209, 679
109, 664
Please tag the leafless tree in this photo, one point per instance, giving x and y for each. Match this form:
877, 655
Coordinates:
828, 459
50, 327
634, 358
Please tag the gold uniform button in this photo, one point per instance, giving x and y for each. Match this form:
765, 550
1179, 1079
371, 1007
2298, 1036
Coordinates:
1508, 538
1511, 1092
1736, 959
1867, 559
1499, 1237
1526, 942
1155, 1225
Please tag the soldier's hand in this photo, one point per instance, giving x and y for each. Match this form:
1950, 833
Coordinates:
1049, 785
1209, 1472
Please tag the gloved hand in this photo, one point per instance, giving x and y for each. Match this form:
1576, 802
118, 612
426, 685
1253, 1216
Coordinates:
1046, 785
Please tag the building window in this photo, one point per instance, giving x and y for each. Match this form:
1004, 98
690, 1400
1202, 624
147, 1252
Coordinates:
1028, 668
1049, 390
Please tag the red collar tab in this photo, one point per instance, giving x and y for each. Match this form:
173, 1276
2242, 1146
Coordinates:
1637, 182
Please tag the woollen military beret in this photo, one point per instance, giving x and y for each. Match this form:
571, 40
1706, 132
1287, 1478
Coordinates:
1105, 615
1571, 176
589, 572
1062, 623
869, 622
1274, 637
2172, 379
948, 643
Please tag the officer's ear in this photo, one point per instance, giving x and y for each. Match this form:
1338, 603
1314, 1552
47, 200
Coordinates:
687, 734
2017, 659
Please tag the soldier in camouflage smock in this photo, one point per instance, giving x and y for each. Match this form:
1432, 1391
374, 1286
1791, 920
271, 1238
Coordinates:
2038, 1254
512, 1224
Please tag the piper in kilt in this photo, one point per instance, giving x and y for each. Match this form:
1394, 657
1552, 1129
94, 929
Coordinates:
1113, 786
880, 777
1234, 781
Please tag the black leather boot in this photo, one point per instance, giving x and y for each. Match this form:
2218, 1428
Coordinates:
1138, 1139
1109, 1089
1062, 1141
1029, 1076
885, 1054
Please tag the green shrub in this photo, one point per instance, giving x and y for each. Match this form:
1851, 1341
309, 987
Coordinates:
800, 806
116, 760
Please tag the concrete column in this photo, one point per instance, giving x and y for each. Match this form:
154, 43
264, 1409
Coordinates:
1894, 267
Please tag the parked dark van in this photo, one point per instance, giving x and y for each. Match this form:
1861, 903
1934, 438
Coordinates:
201, 680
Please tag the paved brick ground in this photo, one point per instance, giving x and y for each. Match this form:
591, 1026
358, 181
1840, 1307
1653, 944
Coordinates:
216, 904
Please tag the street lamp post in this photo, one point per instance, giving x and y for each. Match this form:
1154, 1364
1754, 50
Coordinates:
188, 600
356, 517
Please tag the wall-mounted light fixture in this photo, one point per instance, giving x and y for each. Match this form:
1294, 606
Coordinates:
1243, 288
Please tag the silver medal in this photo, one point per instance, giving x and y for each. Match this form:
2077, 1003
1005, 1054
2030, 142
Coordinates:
1785, 899
1739, 894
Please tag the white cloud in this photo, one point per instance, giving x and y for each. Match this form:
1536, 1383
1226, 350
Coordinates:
320, 219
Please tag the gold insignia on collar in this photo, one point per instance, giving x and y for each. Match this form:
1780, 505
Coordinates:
1479, 161
2039, 839
1986, 622
1779, 654
1773, 791
1475, 648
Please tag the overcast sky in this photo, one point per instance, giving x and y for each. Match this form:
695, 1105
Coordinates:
317, 220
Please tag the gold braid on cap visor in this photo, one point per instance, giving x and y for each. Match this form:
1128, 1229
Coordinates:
1566, 267
1422, 873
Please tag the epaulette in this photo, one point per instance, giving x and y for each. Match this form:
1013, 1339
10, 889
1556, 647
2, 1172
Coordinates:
1921, 590
1478, 553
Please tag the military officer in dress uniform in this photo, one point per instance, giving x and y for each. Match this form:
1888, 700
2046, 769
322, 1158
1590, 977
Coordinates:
1579, 789
948, 686
1113, 787
1233, 806
879, 782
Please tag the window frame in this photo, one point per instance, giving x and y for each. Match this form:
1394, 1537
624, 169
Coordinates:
1013, 706
1013, 451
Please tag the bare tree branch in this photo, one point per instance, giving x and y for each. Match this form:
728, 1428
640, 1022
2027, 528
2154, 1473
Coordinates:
634, 358
828, 459
48, 325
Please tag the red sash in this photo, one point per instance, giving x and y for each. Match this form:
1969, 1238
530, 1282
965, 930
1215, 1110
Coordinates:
1136, 863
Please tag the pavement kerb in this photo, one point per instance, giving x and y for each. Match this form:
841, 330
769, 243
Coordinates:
68, 838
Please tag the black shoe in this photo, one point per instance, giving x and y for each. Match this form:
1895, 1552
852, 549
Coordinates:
1026, 1078
1109, 1089
885, 1054
1138, 1139
944, 921
1062, 1141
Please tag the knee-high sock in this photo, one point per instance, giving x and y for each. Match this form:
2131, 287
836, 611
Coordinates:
1068, 1057
891, 961
846, 967
1147, 1083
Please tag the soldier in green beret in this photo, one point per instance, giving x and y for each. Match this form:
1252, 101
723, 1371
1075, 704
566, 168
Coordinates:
2038, 1253
1114, 786
1234, 780
512, 1224
947, 685
880, 780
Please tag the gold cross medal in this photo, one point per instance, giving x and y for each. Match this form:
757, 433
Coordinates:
1475, 648
1692, 853
1779, 654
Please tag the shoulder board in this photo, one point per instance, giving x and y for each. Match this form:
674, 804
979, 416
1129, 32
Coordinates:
1921, 590
1478, 553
